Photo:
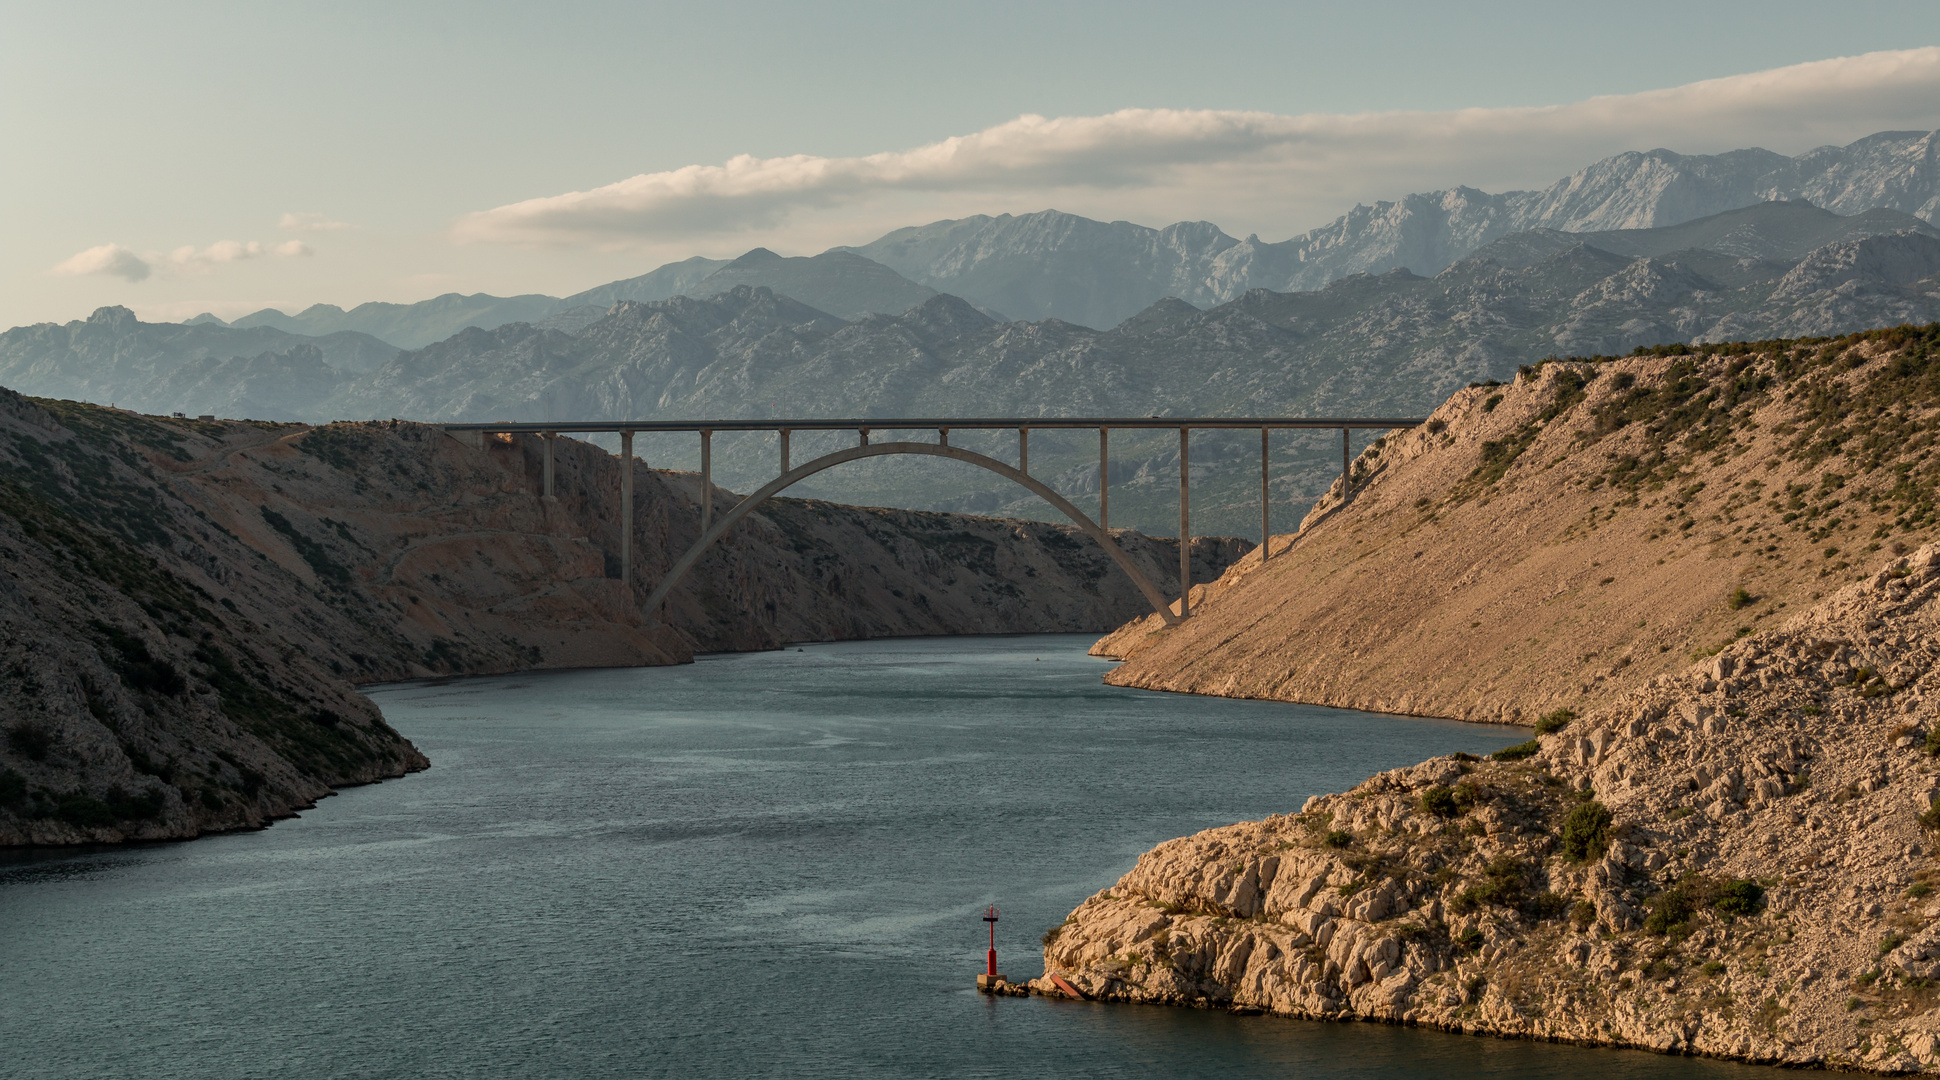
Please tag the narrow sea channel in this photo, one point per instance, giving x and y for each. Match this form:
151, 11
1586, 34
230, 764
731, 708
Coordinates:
763, 865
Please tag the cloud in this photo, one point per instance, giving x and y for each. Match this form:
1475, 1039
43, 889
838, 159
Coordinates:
307, 221
222, 251
110, 259
1267, 170
118, 261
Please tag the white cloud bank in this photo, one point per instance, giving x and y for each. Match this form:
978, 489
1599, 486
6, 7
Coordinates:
1267, 171
114, 260
111, 260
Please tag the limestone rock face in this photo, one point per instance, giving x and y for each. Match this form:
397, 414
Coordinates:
1562, 539
1735, 859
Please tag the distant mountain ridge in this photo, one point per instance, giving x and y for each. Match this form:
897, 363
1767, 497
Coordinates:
1051, 264
1096, 273
1388, 344
838, 282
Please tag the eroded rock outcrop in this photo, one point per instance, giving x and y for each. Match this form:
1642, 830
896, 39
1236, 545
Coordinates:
1735, 859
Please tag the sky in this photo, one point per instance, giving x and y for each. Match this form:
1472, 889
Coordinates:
187, 157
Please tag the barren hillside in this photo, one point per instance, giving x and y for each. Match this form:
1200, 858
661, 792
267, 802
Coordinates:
186, 606
1553, 542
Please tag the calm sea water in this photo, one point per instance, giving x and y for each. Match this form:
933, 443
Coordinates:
757, 865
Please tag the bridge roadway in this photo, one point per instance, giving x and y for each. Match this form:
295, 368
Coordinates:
1099, 530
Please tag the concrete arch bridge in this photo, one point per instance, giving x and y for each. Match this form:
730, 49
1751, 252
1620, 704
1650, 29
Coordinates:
1020, 473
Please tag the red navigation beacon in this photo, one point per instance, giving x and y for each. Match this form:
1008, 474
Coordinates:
990, 916
990, 982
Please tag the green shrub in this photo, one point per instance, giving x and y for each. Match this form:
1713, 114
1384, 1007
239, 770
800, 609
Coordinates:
1671, 910
1545, 905
1337, 839
1439, 801
1586, 831
1553, 722
1517, 752
1582, 914
1739, 598
1739, 898
1470, 939
1917, 890
1931, 816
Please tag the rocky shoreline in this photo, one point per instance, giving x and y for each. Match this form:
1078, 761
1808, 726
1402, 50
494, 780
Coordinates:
1735, 860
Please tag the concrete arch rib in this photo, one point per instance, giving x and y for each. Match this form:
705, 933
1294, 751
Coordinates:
856, 453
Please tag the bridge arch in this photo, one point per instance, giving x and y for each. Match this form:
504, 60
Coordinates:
802, 472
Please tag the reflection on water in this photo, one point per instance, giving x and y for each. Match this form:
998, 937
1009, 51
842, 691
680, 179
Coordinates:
760, 865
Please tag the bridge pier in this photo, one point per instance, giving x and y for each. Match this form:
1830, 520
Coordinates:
1024, 450
707, 479
942, 436
784, 449
1344, 473
1266, 508
626, 508
1104, 478
1185, 526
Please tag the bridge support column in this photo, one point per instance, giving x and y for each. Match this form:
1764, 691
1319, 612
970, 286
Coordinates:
1345, 475
942, 436
864, 433
1024, 450
784, 450
1266, 508
1185, 525
707, 479
626, 508
1104, 478
549, 437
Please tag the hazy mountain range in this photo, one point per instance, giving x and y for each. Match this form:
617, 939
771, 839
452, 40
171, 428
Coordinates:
1389, 344
1093, 273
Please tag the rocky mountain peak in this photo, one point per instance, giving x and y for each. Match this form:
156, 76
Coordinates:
116, 318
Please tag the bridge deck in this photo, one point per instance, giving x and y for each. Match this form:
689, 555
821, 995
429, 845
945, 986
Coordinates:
952, 423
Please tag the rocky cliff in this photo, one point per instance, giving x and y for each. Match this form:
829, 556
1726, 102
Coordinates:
187, 605
1719, 842
1733, 860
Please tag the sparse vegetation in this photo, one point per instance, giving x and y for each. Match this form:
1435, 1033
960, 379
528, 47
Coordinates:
1586, 831
1552, 722
1518, 752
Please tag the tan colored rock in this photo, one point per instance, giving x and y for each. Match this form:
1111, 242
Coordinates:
1480, 921
1519, 554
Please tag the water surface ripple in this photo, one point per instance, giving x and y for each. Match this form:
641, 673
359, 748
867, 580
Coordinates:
757, 865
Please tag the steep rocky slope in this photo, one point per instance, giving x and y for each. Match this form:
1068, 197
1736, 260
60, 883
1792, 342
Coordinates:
186, 605
1721, 839
1733, 860
1556, 541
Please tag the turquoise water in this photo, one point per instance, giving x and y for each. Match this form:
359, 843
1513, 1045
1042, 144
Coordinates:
757, 865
